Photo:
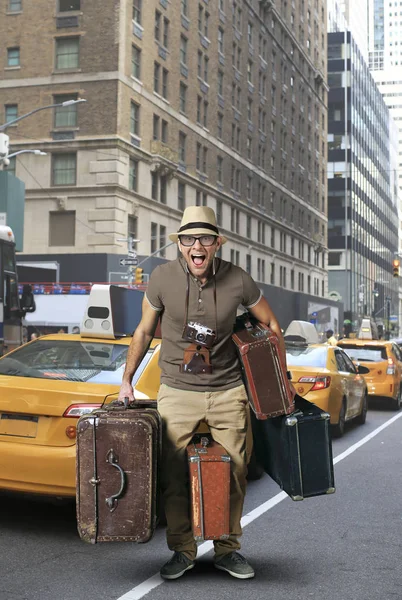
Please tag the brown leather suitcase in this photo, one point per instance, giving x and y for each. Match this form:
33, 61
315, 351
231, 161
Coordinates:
209, 467
264, 371
118, 457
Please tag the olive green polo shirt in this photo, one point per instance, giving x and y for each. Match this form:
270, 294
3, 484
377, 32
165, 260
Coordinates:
166, 293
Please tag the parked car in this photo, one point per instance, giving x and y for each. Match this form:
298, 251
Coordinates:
45, 386
384, 362
326, 376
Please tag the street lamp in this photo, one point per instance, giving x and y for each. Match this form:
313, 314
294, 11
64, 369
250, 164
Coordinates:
66, 103
37, 152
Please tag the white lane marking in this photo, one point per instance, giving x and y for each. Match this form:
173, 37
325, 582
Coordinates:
141, 590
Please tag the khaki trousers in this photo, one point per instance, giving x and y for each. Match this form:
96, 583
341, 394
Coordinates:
225, 412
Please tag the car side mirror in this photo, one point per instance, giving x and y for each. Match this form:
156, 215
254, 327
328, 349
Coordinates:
362, 370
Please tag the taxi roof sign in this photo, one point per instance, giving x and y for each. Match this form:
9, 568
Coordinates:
112, 311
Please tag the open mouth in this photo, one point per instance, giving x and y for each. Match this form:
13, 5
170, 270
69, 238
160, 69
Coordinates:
198, 259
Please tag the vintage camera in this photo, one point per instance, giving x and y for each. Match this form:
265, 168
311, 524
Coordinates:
199, 334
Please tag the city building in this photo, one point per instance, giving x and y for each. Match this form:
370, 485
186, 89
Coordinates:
362, 187
221, 103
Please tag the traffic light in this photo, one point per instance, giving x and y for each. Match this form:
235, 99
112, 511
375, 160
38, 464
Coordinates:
139, 275
395, 267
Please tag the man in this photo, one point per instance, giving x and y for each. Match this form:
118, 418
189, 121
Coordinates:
331, 340
197, 294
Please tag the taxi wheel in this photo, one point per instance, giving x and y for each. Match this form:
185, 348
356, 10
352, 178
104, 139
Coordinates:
361, 419
339, 428
396, 402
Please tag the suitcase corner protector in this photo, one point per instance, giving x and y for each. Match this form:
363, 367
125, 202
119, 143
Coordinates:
198, 538
297, 498
331, 490
291, 421
194, 459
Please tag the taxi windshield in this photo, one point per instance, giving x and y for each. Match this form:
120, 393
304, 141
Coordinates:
307, 357
366, 354
68, 361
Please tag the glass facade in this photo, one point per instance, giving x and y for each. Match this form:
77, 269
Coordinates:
362, 190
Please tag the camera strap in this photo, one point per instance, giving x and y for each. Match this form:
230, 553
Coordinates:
188, 300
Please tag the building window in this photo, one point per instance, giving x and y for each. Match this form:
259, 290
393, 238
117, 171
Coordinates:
14, 5
157, 77
184, 7
162, 240
248, 263
64, 169
183, 97
13, 57
292, 279
65, 116
154, 237
164, 131
137, 11
163, 189
11, 112
156, 127
235, 257
181, 196
132, 230
67, 53
248, 227
272, 275
67, 5
183, 49
220, 83
221, 48
133, 175
62, 228
165, 76
157, 26
220, 126
204, 159
135, 119
182, 147
198, 157
234, 220
154, 186
219, 168
136, 62
219, 212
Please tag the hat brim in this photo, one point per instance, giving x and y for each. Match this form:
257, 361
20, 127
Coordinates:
174, 237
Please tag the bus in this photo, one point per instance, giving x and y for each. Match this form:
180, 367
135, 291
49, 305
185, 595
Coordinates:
10, 312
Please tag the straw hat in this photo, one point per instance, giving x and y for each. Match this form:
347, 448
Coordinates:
198, 220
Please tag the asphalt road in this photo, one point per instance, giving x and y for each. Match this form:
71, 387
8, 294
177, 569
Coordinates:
347, 546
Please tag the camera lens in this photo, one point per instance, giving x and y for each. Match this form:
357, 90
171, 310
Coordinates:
200, 337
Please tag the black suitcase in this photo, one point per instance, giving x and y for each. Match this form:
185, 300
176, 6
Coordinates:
296, 450
118, 458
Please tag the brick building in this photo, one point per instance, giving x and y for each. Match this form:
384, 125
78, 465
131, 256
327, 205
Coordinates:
220, 102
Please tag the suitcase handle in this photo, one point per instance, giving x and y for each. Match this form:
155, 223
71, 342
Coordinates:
112, 500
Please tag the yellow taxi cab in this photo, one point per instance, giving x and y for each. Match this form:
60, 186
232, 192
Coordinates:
384, 362
45, 386
326, 376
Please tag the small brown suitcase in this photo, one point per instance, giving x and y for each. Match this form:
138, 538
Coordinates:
118, 457
264, 371
209, 466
